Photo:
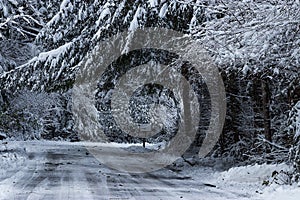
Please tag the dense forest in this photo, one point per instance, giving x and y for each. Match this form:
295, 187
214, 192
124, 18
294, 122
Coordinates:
255, 45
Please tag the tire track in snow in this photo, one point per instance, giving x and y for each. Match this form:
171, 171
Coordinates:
67, 171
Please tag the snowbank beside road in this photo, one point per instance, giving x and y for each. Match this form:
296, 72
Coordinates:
252, 174
257, 180
282, 192
246, 181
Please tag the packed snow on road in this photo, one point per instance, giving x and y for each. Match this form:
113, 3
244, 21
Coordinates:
65, 170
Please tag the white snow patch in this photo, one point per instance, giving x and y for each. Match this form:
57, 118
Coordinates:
49, 55
105, 12
282, 192
3, 135
163, 11
153, 3
255, 174
64, 5
134, 24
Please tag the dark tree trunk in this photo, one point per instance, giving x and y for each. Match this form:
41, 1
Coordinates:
144, 142
266, 109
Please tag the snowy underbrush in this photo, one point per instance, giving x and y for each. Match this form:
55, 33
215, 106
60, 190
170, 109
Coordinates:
268, 181
12, 158
265, 181
259, 181
263, 174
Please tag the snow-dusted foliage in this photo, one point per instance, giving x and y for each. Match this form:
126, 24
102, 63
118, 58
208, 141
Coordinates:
35, 115
255, 36
20, 23
77, 26
255, 43
260, 41
22, 19
294, 129
294, 121
14, 53
80, 25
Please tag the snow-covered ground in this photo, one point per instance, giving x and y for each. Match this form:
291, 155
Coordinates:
63, 170
11, 159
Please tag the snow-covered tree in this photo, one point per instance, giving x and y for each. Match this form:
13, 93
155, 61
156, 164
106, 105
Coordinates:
34, 115
254, 43
22, 20
20, 23
259, 42
78, 26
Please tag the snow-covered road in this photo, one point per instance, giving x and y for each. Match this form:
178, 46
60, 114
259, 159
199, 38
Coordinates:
69, 171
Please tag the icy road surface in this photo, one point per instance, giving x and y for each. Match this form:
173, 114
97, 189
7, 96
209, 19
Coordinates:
54, 170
